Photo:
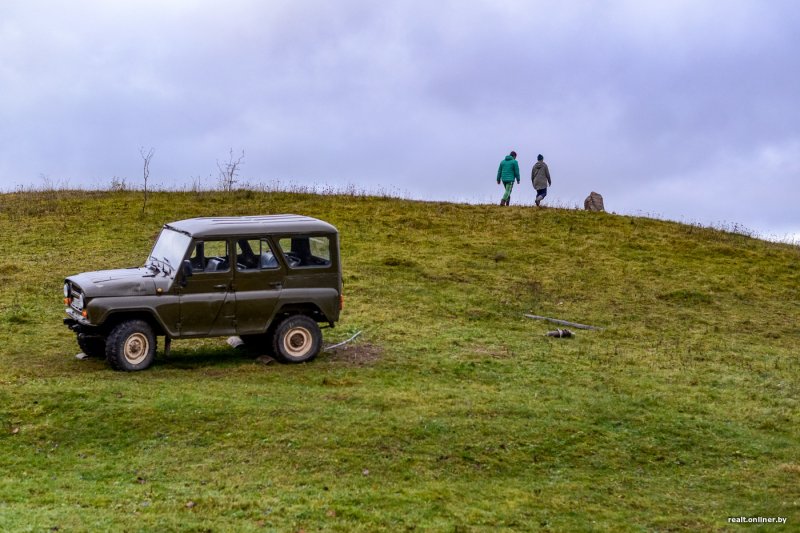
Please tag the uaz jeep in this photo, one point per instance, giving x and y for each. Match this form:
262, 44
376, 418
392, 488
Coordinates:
268, 279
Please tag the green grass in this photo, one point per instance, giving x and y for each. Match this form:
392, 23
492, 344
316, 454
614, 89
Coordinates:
682, 412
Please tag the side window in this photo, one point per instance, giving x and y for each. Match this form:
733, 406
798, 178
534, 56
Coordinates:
306, 251
254, 254
210, 256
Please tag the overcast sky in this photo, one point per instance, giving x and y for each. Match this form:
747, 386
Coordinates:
688, 110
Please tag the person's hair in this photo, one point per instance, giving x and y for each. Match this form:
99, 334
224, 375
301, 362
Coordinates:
540, 157
513, 153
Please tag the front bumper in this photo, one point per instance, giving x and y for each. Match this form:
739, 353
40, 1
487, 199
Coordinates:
76, 322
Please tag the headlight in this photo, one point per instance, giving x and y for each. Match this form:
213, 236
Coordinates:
66, 290
77, 301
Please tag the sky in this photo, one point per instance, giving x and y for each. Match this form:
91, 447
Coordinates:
686, 110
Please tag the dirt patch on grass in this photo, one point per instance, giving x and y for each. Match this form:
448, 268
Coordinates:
496, 352
791, 468
398, 262
363, 353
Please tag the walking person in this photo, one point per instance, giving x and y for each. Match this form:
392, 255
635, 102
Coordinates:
540, 176
507, 172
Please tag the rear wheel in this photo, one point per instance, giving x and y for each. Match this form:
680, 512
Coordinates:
131, 346
92, 345
297, 339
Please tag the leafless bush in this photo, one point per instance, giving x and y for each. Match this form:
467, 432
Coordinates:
118, 184
229, 171
50, 189
146, 158
47, 183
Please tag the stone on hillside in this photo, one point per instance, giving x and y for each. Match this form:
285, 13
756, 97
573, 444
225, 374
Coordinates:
594, 202
236, 342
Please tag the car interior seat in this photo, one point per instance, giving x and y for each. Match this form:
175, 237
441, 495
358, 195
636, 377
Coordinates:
268, 260
215, 264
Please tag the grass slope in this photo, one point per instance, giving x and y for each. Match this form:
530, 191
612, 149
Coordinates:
681, 413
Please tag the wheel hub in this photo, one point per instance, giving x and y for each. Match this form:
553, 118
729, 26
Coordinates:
136, 348
297, 342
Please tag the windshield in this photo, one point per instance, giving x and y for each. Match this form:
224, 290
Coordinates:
168, 251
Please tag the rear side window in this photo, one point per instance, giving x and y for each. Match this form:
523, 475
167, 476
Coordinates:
254, 254
306, 251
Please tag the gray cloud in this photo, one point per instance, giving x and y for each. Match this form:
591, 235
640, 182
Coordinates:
681, 109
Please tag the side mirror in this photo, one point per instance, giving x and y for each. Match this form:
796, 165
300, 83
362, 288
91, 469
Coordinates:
186, 270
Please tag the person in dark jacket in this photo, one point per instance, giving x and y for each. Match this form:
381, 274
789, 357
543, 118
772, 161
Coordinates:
507, 173
540, 176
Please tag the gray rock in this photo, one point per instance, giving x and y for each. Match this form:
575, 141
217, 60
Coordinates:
594, 202
235, 342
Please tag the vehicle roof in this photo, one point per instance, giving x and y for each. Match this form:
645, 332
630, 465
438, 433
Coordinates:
250, 225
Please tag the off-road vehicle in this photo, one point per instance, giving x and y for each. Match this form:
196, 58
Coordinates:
267, 279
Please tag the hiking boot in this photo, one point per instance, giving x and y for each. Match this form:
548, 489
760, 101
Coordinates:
502, 202
537, 201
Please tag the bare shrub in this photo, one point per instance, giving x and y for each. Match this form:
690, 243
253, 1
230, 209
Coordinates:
118, 184
229, 171
146, 158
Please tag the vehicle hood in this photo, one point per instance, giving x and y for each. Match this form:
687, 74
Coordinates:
119, 282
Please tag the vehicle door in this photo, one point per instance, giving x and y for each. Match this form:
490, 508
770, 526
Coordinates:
258, 280
207, 301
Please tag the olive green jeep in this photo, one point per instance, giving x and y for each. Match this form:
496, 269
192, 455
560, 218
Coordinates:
267, 279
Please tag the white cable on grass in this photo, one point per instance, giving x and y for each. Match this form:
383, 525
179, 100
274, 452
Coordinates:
329, 348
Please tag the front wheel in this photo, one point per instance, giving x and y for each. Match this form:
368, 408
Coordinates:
297, 339
131, 346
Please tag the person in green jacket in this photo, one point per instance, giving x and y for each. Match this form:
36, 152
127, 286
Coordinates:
507, 173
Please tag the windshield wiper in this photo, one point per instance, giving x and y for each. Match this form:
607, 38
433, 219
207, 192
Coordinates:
167, 266
151, 264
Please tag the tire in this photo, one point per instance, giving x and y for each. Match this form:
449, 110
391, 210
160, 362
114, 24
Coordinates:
131, 346
297, 339
92, 345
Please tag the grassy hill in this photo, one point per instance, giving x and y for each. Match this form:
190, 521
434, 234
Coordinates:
452, 412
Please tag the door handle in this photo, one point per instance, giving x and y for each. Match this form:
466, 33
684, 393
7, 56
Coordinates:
276, 284
220, 287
